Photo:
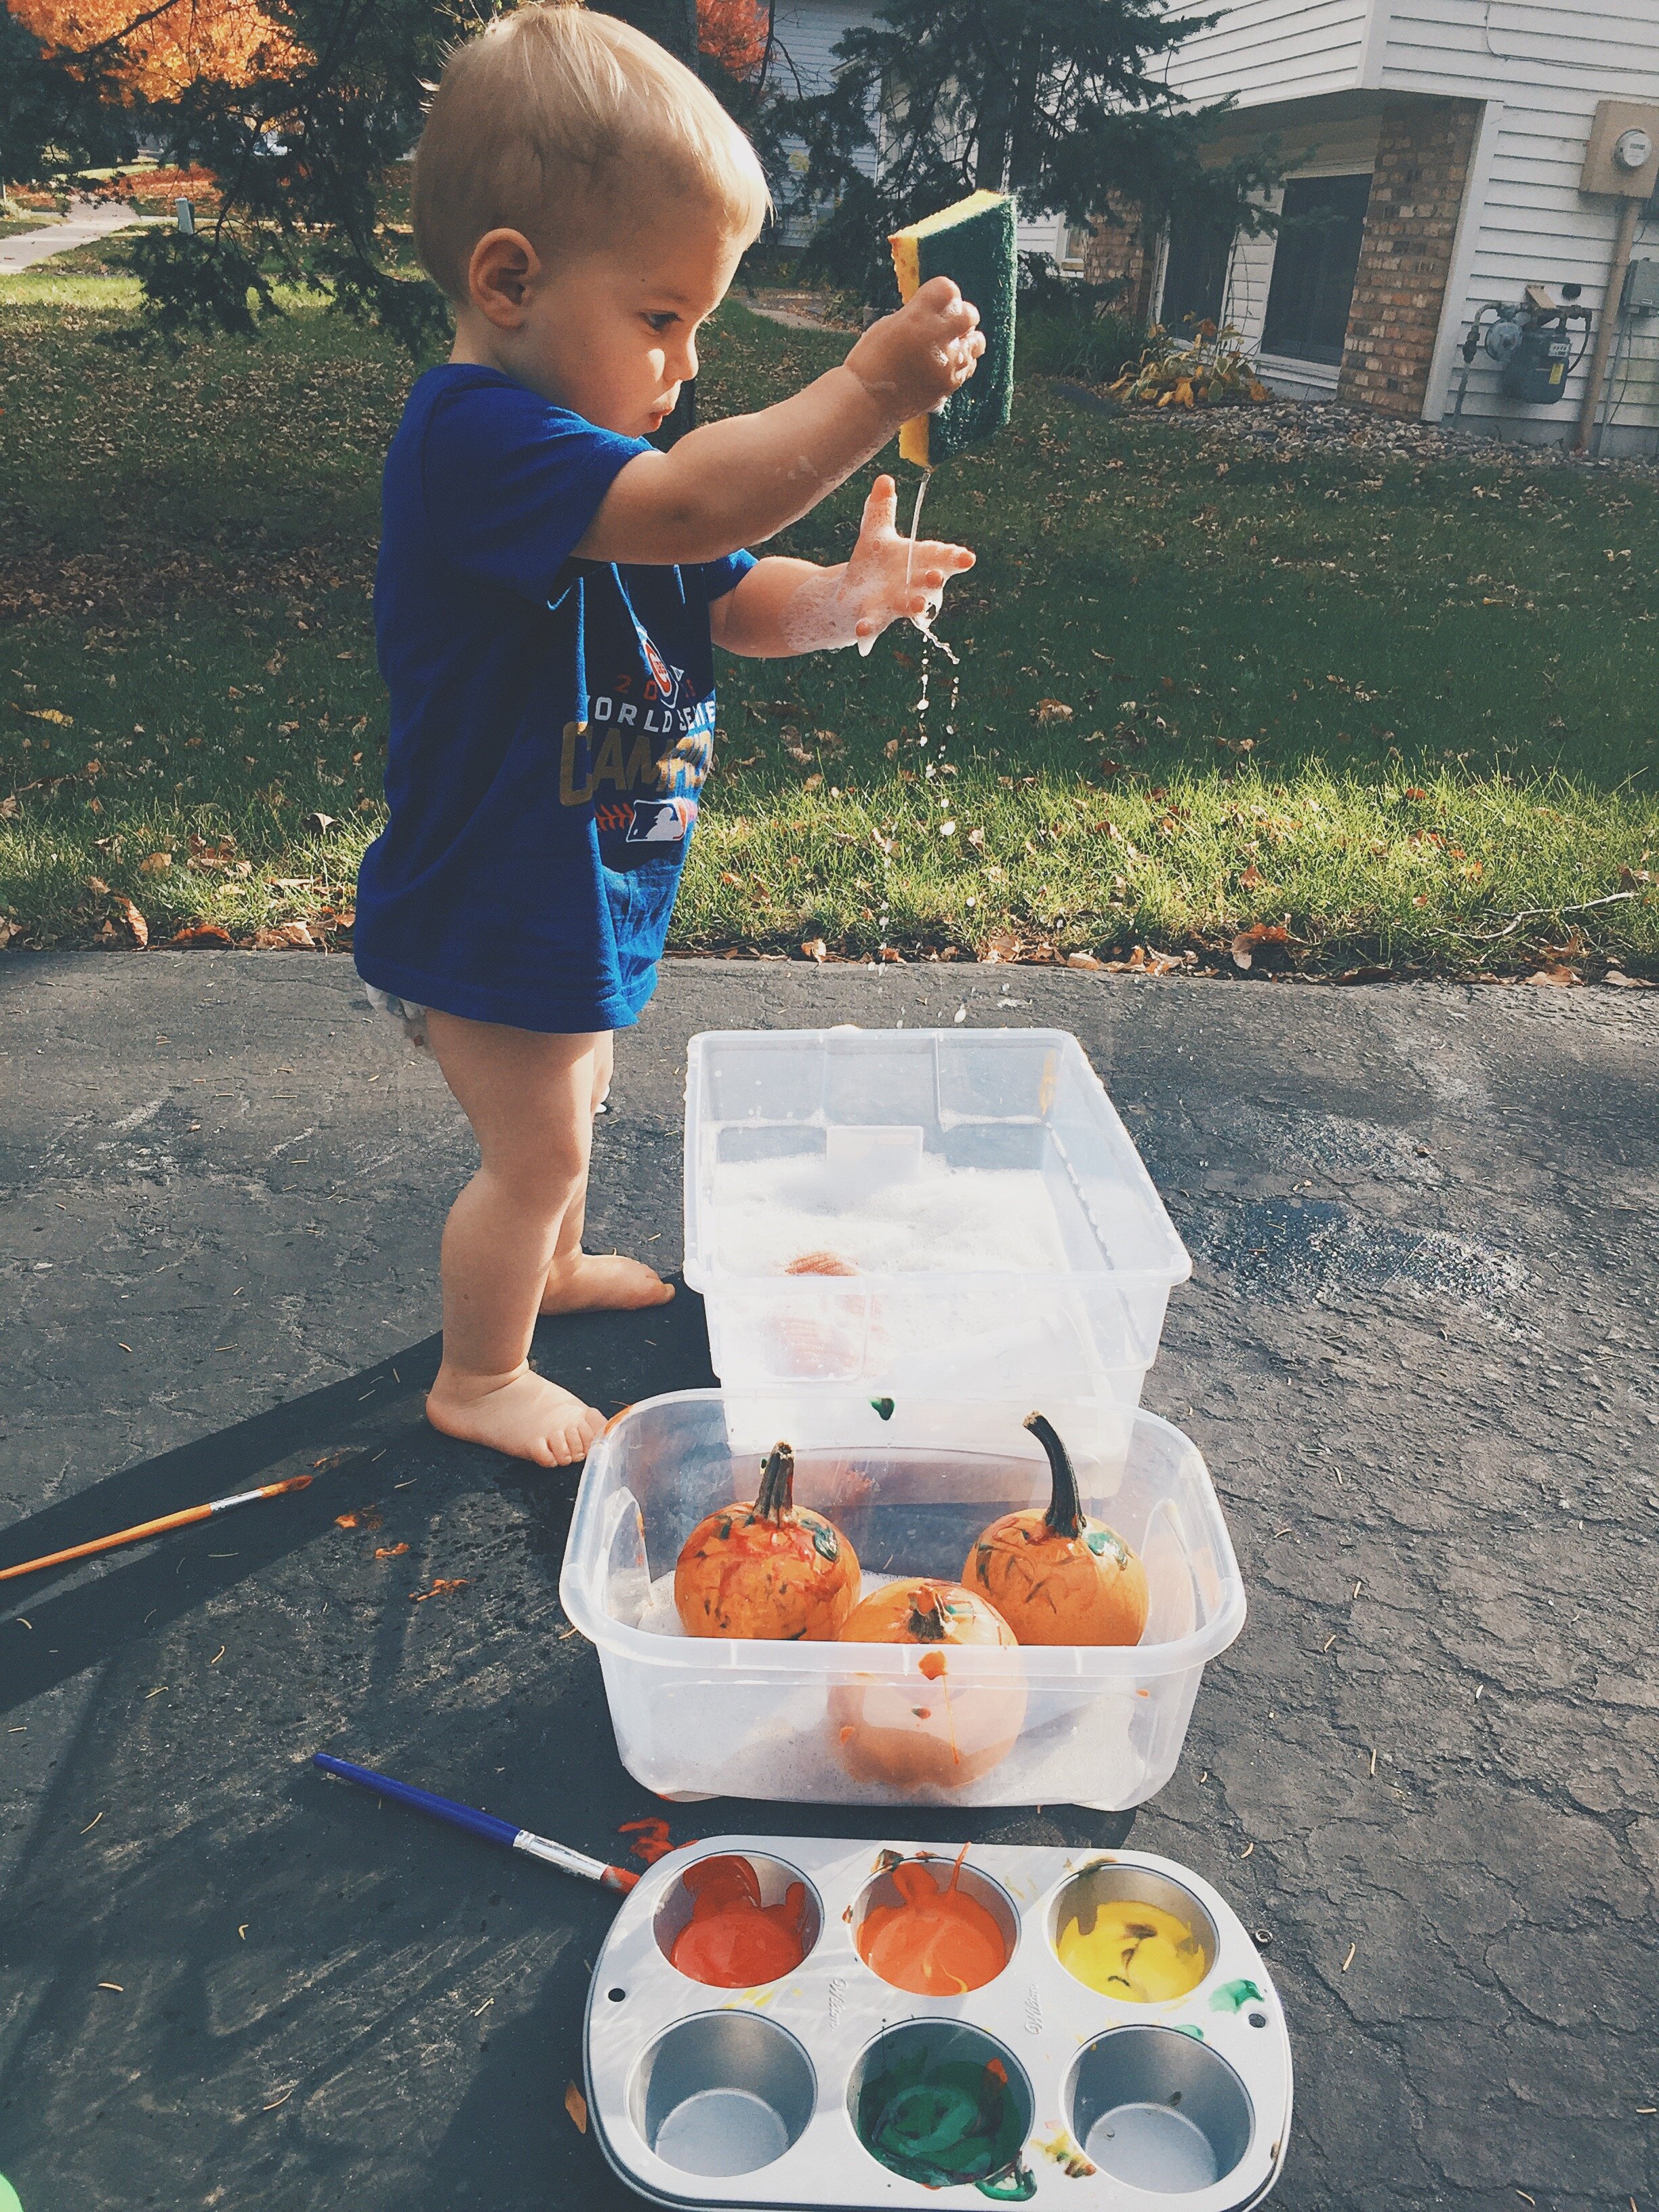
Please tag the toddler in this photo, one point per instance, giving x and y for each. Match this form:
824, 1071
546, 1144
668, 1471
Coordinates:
549, 586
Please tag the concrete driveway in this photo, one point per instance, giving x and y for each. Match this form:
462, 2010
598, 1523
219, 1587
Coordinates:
1417, 1350
87, 219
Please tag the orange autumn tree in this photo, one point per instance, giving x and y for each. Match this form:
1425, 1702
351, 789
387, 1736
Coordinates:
733, 34
156, 53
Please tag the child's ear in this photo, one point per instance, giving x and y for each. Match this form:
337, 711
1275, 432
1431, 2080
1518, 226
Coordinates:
502, 267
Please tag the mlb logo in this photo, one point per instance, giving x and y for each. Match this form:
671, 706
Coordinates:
660, 820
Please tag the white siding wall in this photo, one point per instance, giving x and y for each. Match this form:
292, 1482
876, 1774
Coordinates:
1263, 50
1548, 62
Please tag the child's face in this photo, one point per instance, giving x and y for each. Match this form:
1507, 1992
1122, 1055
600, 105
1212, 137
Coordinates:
613, 335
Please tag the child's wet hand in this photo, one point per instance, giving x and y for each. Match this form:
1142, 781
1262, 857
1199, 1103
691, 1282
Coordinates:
914, 359
887, 581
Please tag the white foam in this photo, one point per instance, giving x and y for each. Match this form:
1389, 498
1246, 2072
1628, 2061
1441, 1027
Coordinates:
937, 1220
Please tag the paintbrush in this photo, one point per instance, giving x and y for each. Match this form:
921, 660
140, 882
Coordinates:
143, 1528
480, 1824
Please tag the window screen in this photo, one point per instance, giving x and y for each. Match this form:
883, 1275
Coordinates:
1315, 264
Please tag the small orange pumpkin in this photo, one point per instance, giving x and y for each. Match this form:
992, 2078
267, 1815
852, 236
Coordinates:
1059, 1577
912, 1733
768, 1569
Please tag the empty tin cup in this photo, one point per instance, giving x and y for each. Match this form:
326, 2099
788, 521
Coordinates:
941, 2104
1131, 1933
722, 2093
1158, 2110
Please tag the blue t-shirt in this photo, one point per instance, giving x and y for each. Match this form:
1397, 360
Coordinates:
552, 719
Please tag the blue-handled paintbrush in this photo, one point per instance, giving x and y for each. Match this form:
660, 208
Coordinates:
480, 1824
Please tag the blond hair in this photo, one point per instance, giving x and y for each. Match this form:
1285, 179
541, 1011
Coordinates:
558, 122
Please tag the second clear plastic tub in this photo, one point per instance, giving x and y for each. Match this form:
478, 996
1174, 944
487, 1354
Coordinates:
917, 1209
878, 1724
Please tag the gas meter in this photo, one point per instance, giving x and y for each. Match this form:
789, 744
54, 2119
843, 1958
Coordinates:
1532, 342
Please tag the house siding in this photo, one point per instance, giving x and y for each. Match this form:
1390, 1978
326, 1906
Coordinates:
1535, 69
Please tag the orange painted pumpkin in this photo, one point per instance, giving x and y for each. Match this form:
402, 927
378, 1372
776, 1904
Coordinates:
1059, 1577
921, 1730
766, 1569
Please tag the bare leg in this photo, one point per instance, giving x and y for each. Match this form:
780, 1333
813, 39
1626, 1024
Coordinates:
578, 1281
530, 1100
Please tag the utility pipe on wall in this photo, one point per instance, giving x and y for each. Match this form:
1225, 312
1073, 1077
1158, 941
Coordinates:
1630, 211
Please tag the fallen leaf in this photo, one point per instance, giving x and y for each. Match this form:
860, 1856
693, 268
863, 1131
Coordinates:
1251, 879
1413, 791
1562, 978
976, 838
97, 887
441, 1587
390, 1551
1630, 880
134, 920
999, 948
319, 822
813, 783
8, 809
1083, 960
816, 948
576, 2104
1259, 933
365, 1516
156, 864
203, 935
1051, 710
52, 715
278, 934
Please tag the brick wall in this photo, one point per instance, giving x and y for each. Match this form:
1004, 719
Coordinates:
1118, 249
1423, 154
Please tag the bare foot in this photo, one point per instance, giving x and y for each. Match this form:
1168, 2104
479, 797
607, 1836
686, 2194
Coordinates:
589, 1283
522, 1413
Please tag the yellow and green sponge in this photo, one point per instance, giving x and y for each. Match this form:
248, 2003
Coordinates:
973, 243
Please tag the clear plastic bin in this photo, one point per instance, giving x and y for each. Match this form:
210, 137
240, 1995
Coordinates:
699, 1717
967, 1203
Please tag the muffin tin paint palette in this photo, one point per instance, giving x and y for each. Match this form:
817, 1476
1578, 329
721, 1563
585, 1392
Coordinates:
830, 2086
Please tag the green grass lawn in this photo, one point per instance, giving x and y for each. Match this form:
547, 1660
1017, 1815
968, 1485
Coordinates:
1386, 707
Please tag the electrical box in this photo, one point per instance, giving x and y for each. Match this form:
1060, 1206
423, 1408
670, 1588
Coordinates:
1622, 158
1641, 288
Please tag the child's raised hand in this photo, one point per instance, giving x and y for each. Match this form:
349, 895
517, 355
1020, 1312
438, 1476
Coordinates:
913, 360
885, 581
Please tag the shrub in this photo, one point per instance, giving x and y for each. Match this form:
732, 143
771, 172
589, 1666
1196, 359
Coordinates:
1070, 328
1200, 367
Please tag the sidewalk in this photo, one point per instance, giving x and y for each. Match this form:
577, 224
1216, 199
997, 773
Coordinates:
86, 219
1417, 1351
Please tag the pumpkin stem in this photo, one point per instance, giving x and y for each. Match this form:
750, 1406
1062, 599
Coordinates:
1065, 1516
926, 1621
777, 1485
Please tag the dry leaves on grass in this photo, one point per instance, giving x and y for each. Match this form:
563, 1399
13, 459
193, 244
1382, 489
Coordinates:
1050, 710
279, 936
1249, 941
816, 948
156, 864
202, 936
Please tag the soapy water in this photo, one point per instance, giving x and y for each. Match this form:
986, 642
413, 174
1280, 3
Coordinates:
779, 1745
937, 1219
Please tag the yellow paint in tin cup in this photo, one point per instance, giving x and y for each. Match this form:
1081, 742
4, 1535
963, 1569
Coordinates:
1134, 1952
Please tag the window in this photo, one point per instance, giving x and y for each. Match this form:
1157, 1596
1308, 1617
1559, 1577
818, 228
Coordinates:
1195, 271
1315, 265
